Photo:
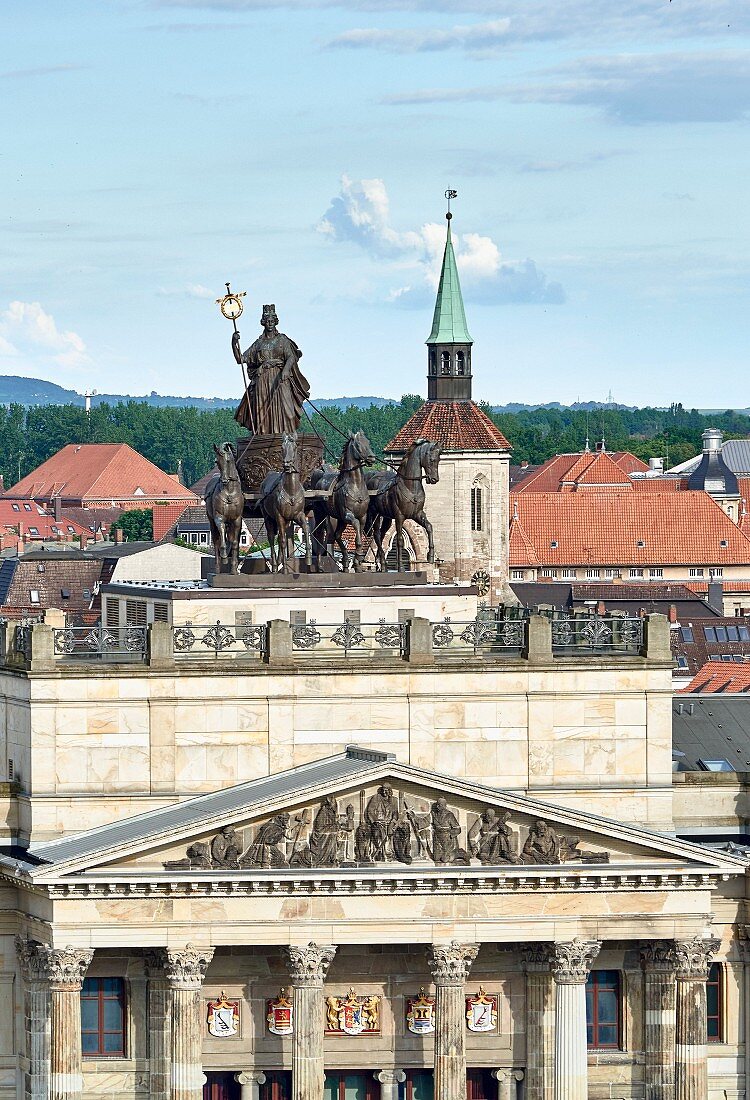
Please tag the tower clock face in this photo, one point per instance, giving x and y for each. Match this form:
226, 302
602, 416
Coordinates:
231, 307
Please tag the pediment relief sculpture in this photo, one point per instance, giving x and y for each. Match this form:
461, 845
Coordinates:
388, 826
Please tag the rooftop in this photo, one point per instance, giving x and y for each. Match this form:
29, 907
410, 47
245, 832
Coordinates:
455, 425
584, 470
449, 320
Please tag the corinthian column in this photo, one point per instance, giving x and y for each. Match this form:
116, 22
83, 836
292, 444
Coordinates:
691, 1068
659, 963
36, 1002
185, 972
539, 1023
65, 969
308, 967
450, 965
571, 963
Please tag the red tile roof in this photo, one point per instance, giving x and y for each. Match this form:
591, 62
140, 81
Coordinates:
605, 528
571, 472
455, 425
99, 472
661, 484
165, 516
715, 676
520, 548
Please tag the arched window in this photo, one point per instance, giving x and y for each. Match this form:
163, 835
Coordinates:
476, 508
445, 362
433, 362
460, 364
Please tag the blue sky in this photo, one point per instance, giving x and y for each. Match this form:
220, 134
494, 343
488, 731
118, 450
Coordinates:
153, 149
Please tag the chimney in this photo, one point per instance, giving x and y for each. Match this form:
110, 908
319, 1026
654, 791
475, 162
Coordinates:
715, 598
600, 446
84, 540
2, 484
524, 465
712, 440
656, 465
58, 508
601, 608
672, 613
119, 537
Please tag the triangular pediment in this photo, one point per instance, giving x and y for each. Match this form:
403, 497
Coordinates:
363, 812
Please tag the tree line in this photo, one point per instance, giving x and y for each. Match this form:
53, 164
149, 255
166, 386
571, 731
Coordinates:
170, 436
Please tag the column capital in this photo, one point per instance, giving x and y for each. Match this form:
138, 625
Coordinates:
31, 960
65, 967
572, 961
250, 1077
537, 958
659, 956
309, 965
508, 1074
694, 957
187, 969
390, 1076
450, 963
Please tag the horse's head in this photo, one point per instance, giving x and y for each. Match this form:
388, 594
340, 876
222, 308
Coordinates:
429, 458
289, 452
226, 461
357, 450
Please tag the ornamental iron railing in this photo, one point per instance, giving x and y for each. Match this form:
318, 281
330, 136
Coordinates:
349, 639
191, 641
22, 640
579, 634
486, 636
100, 643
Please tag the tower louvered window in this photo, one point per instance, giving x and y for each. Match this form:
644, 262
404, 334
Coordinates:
476, 508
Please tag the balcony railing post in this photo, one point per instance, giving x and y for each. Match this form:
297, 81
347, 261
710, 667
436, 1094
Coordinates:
42, 648
419, 641
160, 646
278, 642
657, 645
538, 648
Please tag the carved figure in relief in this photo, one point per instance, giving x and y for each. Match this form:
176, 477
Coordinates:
381, 816
323, 848
402, 839
226, 848
199, 856
542, 845
491, 839
266, 850
445, 833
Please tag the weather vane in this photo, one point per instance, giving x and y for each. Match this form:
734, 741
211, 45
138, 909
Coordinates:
450, 194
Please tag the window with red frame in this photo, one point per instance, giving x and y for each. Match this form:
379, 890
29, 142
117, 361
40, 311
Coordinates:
419, 1085
103, 1018
278, 1085
221, 1086
714, 1004
480, 1085
603, 1010
351, 1086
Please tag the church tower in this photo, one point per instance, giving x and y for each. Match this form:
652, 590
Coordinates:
468, 507
449, 344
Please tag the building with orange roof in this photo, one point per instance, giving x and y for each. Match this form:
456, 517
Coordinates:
468, 508
100, 475
608, 536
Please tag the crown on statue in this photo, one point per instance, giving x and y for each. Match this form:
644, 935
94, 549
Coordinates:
269, 311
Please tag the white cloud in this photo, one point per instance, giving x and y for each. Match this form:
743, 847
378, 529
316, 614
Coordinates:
360, 214
28, 329
191, 290
477, 37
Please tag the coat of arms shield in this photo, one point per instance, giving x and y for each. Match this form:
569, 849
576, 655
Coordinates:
420, 1014
279, 1015
352, 1015
481, 1011
223, 1018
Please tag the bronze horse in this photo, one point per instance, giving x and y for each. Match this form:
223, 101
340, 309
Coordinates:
399, 495
348, 499
282, 504
225, 503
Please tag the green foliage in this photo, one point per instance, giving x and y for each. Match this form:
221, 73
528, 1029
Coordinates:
167, 435
136, 525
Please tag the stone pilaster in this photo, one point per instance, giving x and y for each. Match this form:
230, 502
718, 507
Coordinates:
250, 1081
159, 1022
389, 1080
308, 967
571, 963
65, 970
450, 965
36, 1000
540, 1020
185, 971
659, 963
691, 1067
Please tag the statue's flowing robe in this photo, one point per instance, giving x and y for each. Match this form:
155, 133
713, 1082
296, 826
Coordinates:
276, 390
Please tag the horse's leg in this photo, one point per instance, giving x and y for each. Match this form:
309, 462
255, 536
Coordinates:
271, 531
423, 522
215, 540
221, 528
337, 538
358, 555
399, 519
385, 526
282, 542
302, 520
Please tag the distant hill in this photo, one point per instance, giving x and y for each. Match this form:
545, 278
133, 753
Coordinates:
15, 390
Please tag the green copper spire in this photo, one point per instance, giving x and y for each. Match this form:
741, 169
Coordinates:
449, 320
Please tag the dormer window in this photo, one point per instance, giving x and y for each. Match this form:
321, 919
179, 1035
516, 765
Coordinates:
640, 543
460, 362
724, 543
553, 544
445, 362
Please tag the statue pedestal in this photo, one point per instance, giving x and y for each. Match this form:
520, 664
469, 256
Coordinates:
259, 455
